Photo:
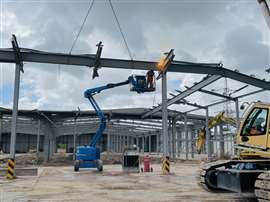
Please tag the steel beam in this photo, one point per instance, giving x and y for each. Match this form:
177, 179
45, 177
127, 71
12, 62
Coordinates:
30, 55
185, 102
190, 104
251, 93
187, 92
216, 94
222, 101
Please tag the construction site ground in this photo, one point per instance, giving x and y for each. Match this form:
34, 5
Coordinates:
61, 183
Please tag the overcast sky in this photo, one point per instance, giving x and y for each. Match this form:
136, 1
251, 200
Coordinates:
231, 32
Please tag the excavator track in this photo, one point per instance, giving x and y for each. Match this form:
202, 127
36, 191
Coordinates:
262, 187
201, 179
202, 175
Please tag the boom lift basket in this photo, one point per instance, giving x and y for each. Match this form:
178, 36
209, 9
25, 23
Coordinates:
139, 84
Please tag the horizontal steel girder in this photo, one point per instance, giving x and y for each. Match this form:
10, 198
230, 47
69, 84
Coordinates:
30, 55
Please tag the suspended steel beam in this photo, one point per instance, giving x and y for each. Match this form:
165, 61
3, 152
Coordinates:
29, 55
208, 80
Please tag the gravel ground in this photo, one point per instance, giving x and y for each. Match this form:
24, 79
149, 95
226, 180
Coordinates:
62, 184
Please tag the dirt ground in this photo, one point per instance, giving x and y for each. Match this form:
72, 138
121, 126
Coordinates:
62, 184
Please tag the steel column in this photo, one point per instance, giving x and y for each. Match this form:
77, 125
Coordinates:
38, 138
173, 138
237, 123
192, 142
74, 138
221, 143
207, 131
179, 136
237, 114
108, 142
143, 143
170, 137
137, 144
149, 144
15, 111
165, 114
1, 129
186, 135
128, 141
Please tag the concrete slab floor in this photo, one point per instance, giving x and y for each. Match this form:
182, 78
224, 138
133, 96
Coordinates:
59, 184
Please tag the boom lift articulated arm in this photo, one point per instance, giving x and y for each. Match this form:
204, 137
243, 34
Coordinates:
88, 156
89, 95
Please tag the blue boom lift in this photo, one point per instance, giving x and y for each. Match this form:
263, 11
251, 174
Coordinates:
89, 156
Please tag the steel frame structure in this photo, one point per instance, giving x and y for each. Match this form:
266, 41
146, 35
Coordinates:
214, 72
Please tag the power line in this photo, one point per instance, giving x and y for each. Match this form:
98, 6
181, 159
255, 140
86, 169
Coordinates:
82, 25
121, 31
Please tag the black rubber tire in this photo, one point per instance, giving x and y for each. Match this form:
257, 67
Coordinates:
100, 166
76, 166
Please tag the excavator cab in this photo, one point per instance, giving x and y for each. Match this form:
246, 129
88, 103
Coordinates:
140, 84
254, 129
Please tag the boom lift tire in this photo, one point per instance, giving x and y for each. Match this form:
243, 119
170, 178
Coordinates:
77, 166
100, 166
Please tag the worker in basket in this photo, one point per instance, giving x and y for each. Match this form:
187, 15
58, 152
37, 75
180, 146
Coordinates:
150, 79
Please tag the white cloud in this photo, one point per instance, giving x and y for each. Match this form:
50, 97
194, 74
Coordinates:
197, 32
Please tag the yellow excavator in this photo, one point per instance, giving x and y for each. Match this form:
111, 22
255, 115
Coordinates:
250, 171
220, 118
